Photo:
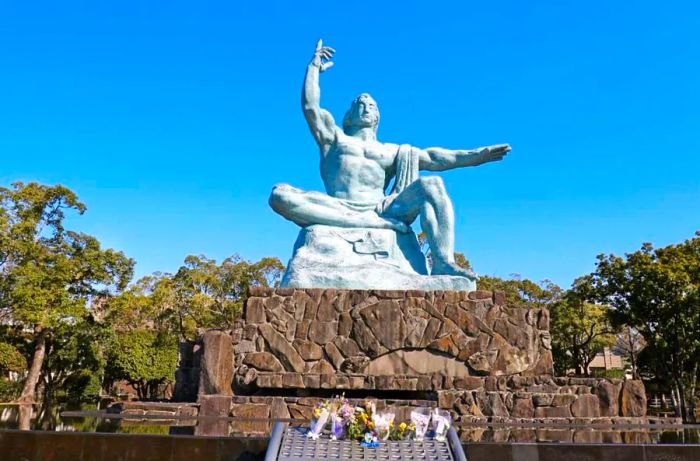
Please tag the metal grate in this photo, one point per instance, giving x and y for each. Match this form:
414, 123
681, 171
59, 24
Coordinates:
295, 446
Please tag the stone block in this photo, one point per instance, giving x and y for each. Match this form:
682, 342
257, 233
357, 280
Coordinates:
323, 368
347, 346
468, 382
284, 351
633, 399
499, 297
292, 380
216, 373
248, 418
357, 364
560, 400
445, 345
431, 330
278, 409
386, 322
213, 406
608, 397
255, 310
311, 381
322, 332
587, 406
263, 361
357, 382
344, 324
552, 412
307, 349
334, 355
491, 404
480, 294
523, 407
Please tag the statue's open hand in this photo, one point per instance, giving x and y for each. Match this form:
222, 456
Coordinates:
493, 153
322, 56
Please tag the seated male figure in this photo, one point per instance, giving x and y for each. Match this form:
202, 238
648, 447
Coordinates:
356, 169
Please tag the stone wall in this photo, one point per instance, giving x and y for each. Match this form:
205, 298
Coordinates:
381, 339
469, 353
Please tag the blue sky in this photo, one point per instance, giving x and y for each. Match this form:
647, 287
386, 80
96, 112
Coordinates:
172, 120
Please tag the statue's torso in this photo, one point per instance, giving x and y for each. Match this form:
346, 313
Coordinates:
355, 169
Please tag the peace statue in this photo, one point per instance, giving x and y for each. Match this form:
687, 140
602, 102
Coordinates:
356, 235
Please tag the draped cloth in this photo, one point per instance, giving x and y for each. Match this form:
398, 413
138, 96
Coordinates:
407, 160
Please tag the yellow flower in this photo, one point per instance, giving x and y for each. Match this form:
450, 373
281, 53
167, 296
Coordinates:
402, 427
370, 425
317, 412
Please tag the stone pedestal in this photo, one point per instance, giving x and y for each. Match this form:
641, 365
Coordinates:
386, 340
361, 259
466, 352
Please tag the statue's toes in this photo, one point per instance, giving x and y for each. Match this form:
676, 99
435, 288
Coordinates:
453, 269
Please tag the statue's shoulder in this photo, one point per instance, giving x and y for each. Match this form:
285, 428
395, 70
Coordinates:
390, 148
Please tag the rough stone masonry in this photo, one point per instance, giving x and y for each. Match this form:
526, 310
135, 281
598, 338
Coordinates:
470, 353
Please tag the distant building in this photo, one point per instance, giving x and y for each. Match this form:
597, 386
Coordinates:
605, 361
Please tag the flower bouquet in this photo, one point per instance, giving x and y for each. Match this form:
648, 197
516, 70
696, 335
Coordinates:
362, 422
319, 420
441, 424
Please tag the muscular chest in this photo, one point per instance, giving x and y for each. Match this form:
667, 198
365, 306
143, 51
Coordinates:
364, 151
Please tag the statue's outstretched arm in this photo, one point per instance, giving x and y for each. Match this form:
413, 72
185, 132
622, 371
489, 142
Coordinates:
440, 159
320, 121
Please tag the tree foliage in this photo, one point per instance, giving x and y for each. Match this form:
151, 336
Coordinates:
11, 359
154, 310
212, 295
49, 273
202, 294
657, 291
629, 343
580, 330
145, 358
523, 292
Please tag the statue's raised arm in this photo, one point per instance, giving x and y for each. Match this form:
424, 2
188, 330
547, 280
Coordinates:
441, 159
356, 235
320, 121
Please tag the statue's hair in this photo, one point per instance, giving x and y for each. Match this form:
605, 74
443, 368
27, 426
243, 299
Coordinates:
346, 119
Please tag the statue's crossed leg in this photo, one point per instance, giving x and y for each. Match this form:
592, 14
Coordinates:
426, 197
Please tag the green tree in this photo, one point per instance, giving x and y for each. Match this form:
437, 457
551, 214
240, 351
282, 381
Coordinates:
145, 358
48, 273
657, 291
211, 295
629, 343
75, 362
580, 330
152, 314
522, 292
150, 303
11, 359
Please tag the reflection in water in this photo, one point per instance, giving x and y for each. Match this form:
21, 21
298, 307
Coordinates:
89, 419
581, 435
25, 416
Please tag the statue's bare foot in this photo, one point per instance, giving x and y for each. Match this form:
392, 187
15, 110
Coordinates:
447, 268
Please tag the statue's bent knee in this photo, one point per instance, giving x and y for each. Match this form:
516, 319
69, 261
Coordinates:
280, 197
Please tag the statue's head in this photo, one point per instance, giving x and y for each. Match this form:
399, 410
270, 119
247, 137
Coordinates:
363, 113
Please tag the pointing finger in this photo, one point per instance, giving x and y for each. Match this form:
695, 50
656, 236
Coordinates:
319, 44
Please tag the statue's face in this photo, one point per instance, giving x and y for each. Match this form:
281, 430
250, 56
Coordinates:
363, 113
